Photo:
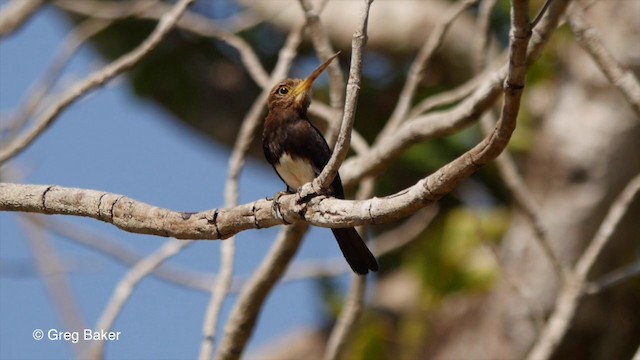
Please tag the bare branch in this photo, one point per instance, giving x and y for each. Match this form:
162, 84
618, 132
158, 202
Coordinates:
190, 21
95, 80
524, 200
538, 17
127, 285
244, 315
419, 65
322, 44
422, 128
576, 283
113, 249
483, 35
350, 314
50, 267
16, 13
353, 89
614, 278
69, 47
448, 97
587, 37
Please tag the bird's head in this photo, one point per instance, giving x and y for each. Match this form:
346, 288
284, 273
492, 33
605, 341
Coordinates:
295, 93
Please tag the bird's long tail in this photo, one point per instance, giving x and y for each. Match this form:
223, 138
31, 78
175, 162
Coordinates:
355, 251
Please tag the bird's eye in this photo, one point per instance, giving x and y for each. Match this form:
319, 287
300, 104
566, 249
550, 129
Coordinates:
283, 90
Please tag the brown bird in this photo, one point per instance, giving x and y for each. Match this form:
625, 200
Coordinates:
298, 152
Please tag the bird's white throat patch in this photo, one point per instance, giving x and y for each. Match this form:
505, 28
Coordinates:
295, 171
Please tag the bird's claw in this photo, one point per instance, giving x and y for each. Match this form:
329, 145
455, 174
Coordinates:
276, 205
306, 192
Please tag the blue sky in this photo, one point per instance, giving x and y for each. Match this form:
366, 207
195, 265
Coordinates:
114, 142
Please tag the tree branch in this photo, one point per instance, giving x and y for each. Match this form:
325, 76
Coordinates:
118, 252
419, 65
127, 285
244, 315
16, 13
589, 39
190, 21
576, 283
348, 116
95, 80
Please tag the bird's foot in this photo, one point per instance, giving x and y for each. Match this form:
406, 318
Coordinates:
306, 192
276, 205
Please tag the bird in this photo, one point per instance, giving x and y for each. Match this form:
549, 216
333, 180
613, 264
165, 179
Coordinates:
298, 152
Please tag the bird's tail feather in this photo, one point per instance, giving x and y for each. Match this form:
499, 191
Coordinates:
355, 251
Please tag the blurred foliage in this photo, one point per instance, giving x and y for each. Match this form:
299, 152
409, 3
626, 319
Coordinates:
453, 254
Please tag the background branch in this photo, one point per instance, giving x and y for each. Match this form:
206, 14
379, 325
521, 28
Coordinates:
575, 286
95, 80
16, 13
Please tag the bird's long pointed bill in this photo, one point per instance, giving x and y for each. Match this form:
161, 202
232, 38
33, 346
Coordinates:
308, 82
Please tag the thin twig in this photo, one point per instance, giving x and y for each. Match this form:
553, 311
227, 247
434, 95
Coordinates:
353, 89
322, 44
50, 267
72, 43
113, 249
448, 97
483, 34
128, 284
517, 285
614, 278
589, 39
541, 13
347, 319
419, 65
576, 283
523, 199
192, 22
95, 80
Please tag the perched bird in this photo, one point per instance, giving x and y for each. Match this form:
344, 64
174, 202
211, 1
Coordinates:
298, 152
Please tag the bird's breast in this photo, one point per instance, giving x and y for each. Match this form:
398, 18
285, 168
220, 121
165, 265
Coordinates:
295, 171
